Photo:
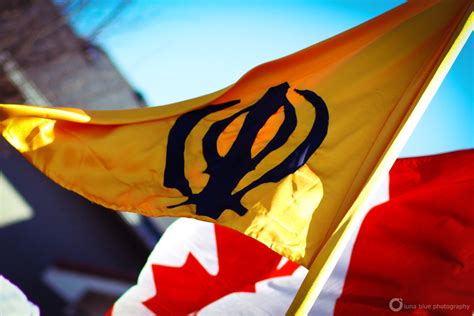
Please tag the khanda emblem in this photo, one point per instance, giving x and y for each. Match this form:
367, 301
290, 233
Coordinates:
225, 171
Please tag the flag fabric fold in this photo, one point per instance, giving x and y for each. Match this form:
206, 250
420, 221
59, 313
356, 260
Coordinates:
280, 156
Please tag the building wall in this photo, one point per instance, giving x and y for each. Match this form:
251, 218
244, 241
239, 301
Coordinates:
86, 79
55, 225
68, 70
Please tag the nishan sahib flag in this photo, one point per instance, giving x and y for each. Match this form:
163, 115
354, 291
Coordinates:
281, 155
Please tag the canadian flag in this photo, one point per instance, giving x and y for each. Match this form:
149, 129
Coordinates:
413, 254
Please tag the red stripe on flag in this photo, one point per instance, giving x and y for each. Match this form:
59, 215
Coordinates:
418, 248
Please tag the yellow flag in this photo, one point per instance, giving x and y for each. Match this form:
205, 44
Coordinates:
280, 156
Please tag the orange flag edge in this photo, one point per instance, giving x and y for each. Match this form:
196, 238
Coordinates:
325, 262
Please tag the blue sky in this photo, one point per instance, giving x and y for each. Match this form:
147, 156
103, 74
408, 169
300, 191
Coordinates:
176, 50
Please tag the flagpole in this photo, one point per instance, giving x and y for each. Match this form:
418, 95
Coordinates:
325, 262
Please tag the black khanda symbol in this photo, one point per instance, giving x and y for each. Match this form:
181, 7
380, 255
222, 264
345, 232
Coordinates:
226, 171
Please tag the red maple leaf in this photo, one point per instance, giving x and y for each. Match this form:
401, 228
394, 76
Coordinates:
242, 263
